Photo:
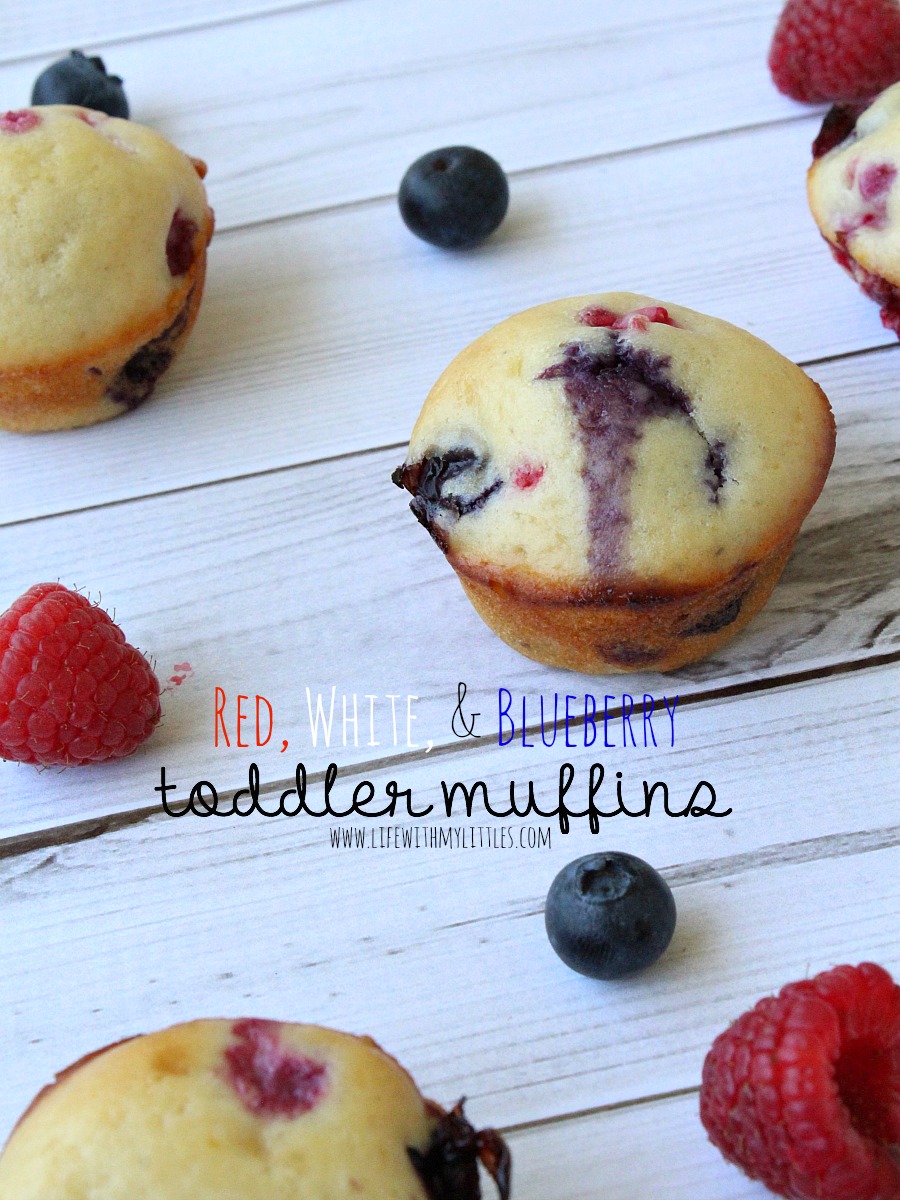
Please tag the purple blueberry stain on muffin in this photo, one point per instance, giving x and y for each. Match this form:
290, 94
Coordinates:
839, 125
714, 621
270, 1080
448, 1167
613, 389
625, 654
715, 469
137, 379
23, 120
447, 485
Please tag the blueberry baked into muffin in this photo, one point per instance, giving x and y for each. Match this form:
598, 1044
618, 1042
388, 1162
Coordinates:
855, 197
618, 483
244, 1110
104, 226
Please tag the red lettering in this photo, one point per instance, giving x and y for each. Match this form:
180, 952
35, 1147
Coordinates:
220, 716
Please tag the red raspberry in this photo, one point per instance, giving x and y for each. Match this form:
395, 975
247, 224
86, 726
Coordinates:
836, 50
72, 690
803, 1091
180, 243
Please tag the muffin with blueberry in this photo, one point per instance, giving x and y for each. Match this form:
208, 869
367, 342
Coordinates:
854, 196
104, 226
260, 1110
618, 483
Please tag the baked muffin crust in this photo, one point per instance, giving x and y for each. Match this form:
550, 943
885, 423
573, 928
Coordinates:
103, 233
607, 450
87, 203
244, 1110
852, 187
708, 468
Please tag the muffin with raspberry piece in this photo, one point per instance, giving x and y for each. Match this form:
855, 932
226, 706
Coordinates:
104, 226
254, 1109
618, 483
854, 196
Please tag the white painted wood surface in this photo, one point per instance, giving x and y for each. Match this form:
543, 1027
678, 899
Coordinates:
244, 521
651, 1150
327, 103
441, 954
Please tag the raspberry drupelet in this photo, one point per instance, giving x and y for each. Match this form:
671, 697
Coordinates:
803, 1091
836, 50
72, 690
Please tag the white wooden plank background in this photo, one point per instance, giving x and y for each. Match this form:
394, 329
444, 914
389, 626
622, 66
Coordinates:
649, 1150
244, 521
516, 1030
328, 103
42, 29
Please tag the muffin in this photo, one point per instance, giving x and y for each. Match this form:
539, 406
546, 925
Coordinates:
618, 483
103, 233
244, 1110
854, 197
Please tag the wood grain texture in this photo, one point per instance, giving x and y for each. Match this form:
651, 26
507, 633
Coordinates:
321, 336
47, 27
319, 577
441, 954
328, 103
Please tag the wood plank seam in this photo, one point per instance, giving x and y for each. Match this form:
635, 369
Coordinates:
885, 348
561, 165
599, 1110
783, 854
168, 31
59, 836
281, 469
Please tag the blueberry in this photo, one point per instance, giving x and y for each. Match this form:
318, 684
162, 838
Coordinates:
608, 915
83, 81
454, 198
427, 480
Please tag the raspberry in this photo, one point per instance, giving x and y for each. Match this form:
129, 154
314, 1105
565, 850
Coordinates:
72, 690
269, 1080
836, 50
180, 243
641, 319
527, 476
21, 121
875, 286
803, 1091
